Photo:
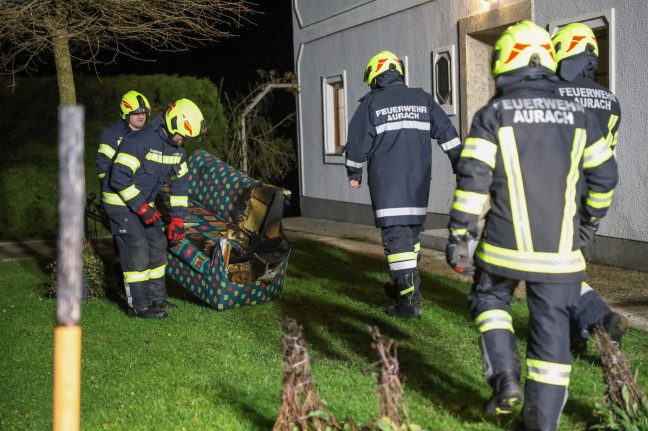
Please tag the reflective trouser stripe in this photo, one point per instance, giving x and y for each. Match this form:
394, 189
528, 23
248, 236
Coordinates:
494, 319
550, 373
404, 260
157, 272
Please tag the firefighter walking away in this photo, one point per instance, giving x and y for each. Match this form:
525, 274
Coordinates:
550, 173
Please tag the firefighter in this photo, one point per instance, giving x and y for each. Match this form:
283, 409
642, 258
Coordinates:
134, 112
550, 174
390, 133
577, 57
145, 161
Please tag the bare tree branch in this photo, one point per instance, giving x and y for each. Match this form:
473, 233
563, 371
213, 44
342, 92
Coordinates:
94, 27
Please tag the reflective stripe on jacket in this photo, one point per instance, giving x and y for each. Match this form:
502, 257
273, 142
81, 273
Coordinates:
544, 161
390, 133
599, 100
145, 161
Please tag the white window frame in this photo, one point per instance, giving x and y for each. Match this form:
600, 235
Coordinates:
328, 110
596, 20
449, 52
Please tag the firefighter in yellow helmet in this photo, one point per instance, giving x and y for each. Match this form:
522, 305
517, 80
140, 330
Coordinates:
390, 132
549, 171
577, 56
134, 109
145, 161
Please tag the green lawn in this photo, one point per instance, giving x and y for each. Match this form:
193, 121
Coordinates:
204, 370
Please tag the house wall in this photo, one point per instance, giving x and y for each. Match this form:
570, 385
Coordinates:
336, 37
628, 216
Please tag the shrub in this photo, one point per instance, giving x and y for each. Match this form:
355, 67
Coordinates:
93, 276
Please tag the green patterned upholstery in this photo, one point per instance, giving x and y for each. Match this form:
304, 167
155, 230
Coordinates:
213, 224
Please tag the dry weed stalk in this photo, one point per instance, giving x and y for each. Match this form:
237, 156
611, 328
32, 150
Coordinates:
300, 405
622, 389
391, 397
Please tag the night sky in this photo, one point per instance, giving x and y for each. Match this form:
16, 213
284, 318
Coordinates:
266, 45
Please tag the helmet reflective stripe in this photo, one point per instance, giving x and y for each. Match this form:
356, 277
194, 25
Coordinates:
574, 39
184, 118
133, 103
381, 63
522, 45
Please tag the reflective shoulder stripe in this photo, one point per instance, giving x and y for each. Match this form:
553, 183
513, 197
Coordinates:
128, 160
480, 149
596, 154
599, 200
469, 202
112, 199
494, 319
530, 261
405, 124
399, 257
517, 195
129, 192
405, 211
107, 150
353, 164
447, 146
551, 373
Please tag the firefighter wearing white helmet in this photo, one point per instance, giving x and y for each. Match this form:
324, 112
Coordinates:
549, 171
145, 161
390, 133
577, 55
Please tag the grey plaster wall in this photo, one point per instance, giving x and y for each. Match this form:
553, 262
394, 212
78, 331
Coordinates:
628, 217
342, 45
329, 43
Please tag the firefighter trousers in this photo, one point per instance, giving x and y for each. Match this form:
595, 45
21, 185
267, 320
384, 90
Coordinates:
402, 246
548, 359
142, 254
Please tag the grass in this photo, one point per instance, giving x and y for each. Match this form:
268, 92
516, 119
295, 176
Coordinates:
204, 370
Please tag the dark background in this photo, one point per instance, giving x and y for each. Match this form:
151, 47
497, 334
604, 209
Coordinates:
232, 64
265, 43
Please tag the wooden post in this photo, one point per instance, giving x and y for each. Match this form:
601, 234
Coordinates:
67, 334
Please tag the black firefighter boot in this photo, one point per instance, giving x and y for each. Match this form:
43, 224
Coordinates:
409, 296
147, 313
506, 393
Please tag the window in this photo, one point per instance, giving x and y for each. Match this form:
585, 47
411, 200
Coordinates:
335, 116
602, 24
444, 87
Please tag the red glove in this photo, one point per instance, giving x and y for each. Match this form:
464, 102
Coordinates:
176, 230
148, 214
